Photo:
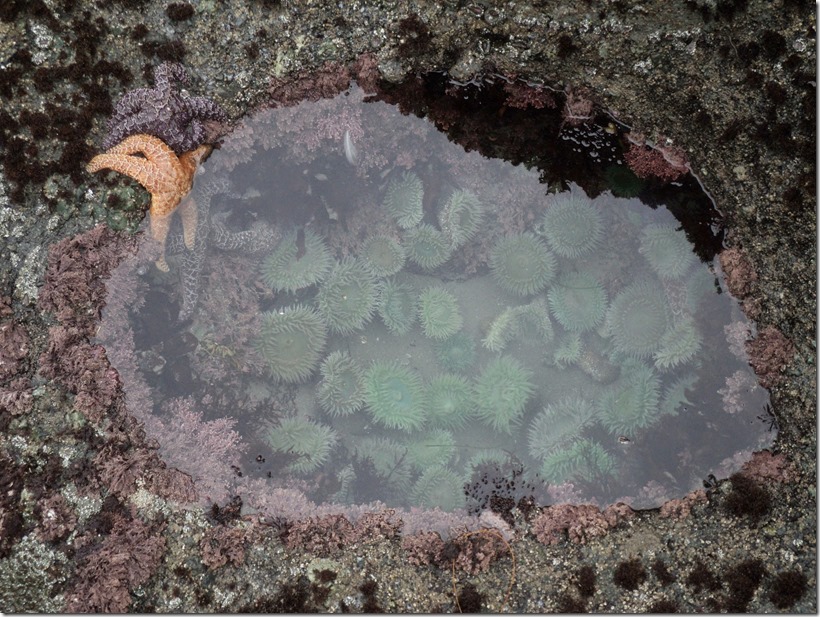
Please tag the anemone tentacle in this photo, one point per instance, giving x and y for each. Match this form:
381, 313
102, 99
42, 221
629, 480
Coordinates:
291, 341
287, 270
522, 264
347, 298
403, 199
438, 313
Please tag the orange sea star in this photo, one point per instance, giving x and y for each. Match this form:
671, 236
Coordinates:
165, 175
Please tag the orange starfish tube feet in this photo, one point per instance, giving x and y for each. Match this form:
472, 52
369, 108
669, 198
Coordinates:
165, 175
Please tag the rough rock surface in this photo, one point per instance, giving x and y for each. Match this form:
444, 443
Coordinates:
732, 82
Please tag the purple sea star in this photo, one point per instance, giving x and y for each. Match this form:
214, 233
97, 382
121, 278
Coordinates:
174, 116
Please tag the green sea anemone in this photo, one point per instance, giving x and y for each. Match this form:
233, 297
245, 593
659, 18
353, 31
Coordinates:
347, 298
622, 181
397, 305
529, 323
439, 487
558, 425
382, 256
455, 353
434, 448
679, 345
389, 460
449, 401
309, 441
572, 224
585, 460
522, 264
438, 313
289, 269
403, 199
568, 350
340, 392
578, 301
461, 217
291, 342
501, 393
667, 250
427, 246
638, 318
631, 403
394, 396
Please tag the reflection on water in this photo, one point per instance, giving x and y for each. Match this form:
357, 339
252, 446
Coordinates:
370, 313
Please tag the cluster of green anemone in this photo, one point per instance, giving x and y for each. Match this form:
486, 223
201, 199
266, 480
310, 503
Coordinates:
557, 307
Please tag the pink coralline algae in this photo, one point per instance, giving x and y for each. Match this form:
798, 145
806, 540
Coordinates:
207, 450
738, 386
222, 545
767, 466
666, 163
681, 508
769, 353
741, 278
57, 518
82, 368
74, 289
578, 523
325, 535
471, 551
14, 343
122, 561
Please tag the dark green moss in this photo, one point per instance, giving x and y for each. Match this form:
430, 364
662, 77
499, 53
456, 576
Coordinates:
787, 588
663, 607
701, 578
747, 498
662, 573
586, 581
743, 580
568, 603
179, 11
629, 574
